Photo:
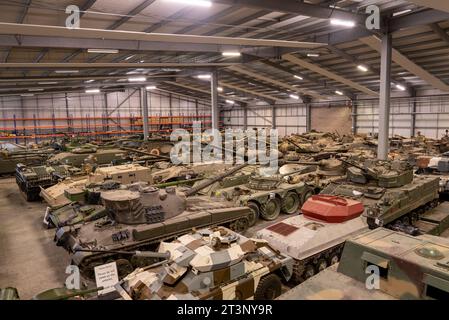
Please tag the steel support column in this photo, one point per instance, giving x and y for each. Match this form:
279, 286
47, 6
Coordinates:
273, 117
144, 106
308, 117
413, 127
384, 100
245, 118
354, 116
214, 100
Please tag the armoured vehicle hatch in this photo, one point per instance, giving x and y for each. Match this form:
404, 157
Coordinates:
214, 263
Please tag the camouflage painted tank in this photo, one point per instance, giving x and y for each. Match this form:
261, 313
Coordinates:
139, 220
211, 264
31, 179
72, 214
267, 196
407, 268
315, 239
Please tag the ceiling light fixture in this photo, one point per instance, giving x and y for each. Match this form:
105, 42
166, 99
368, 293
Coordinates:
230, 102
89, 81
129, 57
400, 87
294, 96
339, 92
219, 89
47, 82
204, 76
400, 13
137, 79
201, 3
151, 88
36, 90
231, 54
362, 68
343, 23
107, 51
298, 77
67, 71
313, 55
27, 95
92, 91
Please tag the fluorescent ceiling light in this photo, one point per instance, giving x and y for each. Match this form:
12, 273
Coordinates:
313, 54
395, 14
339, 92
400, 87
231, 54
107, 51
27, 95
142, 61
129, 57
36, 90
201, 3
89, 81
343, 23
93, 91
294, 96
151, 88
362, 68
204, 76
137, 79
298, 77
47, 82
230, 102
219, 89
67, 71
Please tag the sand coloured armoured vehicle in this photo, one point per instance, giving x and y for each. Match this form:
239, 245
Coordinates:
210, 264
407, 268
79, 156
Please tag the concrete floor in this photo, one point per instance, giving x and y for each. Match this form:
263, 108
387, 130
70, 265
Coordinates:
29, 259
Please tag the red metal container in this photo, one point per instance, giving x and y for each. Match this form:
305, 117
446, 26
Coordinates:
332, 209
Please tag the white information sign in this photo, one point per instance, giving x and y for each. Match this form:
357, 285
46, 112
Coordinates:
106, 276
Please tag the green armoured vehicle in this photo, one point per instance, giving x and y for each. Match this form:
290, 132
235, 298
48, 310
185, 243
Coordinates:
345, 209
383, 264
267, 196
11, 155
139, 220
79, 156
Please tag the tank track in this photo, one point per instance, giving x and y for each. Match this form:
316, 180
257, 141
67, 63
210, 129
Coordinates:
300, 265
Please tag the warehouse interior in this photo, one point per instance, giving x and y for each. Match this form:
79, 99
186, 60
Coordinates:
97, 70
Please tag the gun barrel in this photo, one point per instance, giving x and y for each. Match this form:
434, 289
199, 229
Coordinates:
209, 182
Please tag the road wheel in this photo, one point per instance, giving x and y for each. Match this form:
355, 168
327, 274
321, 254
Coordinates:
124, 267
306, 196
309, 272
240, 225
254, 215
271, 209
291, 203
414, 217
405, 220
321, 265
269, 288
334, 258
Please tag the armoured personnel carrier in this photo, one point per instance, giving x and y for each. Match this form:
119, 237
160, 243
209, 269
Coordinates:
315, 238
211, 264
139, 220
11, 157
267, 196
407, 268
31, 179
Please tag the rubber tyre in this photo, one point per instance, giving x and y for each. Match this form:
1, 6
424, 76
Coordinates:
269, 288
309, 272
306, 196
291, 203
333, 259
274, 205
253, 217
321, 265
240, 225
